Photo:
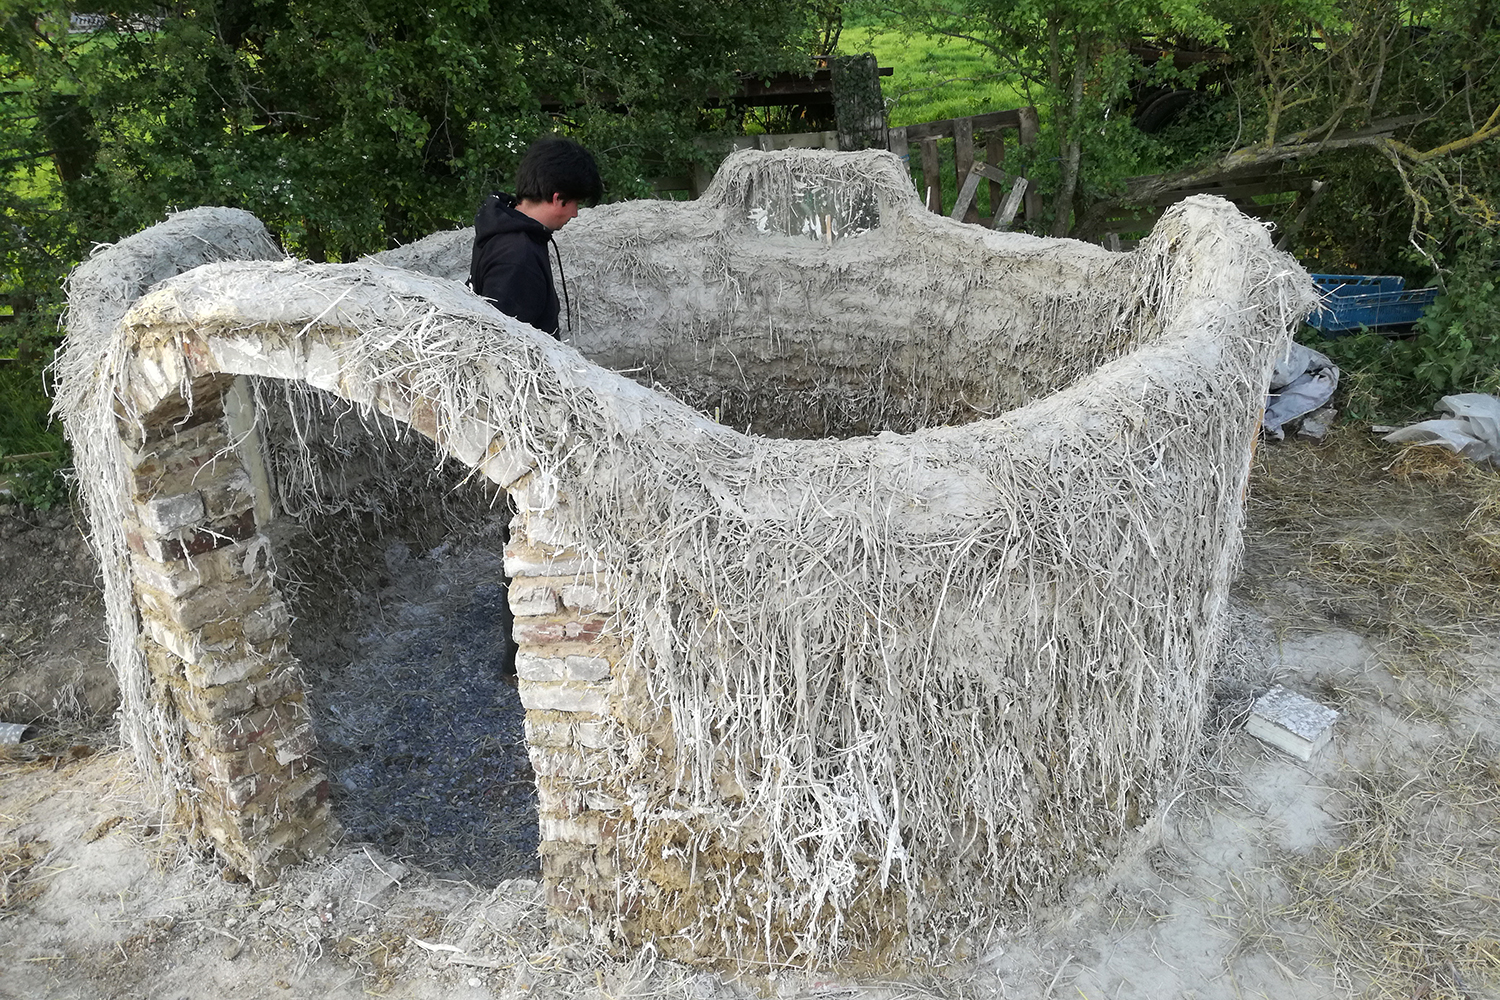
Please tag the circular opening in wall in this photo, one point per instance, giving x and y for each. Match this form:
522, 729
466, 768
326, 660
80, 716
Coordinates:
392, 562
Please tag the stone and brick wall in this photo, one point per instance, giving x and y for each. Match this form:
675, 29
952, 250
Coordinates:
566, 668
215, 635
627, 848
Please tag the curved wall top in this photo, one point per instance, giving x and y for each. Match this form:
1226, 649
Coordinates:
840, 671
898, 321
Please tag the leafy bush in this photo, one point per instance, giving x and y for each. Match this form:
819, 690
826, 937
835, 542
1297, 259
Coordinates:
1374, 375
33, 453
1457, 348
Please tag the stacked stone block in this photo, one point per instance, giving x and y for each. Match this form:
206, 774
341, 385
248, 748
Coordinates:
567, 670
215, 636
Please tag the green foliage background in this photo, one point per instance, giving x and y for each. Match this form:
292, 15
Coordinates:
1454, 348
353, 125
346, 125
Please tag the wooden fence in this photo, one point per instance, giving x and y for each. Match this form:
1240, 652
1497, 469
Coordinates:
1117, 223
1010, 194
967, 169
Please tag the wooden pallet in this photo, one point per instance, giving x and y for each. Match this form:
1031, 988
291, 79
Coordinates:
962, 131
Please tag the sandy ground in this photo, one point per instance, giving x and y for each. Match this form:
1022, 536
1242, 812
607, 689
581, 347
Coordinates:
1370, 871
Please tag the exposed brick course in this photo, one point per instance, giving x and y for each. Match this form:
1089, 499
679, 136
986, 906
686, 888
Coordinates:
533, 597
545, 631
565, 697
163, 514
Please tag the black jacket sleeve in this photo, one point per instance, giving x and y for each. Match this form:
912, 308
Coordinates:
510, 275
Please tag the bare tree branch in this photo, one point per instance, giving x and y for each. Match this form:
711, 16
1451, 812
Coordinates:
1401, 155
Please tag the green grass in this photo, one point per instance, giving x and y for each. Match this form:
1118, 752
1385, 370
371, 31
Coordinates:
36, 180
934, 78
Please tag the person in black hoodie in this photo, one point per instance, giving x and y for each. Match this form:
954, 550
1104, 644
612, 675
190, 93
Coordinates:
509, 265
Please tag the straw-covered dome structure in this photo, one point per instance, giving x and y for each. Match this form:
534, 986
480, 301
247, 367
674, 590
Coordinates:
869, 569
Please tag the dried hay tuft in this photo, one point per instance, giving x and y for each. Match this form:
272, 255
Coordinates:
18, 860
1406, 902
913, 680
1404, 545
1400, 544
1434, 465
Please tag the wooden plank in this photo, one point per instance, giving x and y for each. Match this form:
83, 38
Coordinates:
963, 208
1221, 181
963, 159
1007, 214
788, 140
1316, 192
1127, 217
932, 177
820, 82
980, 123
1028, 128
897, 142
806, 140
995, 176
1236, 191
994, 155
820, 101
1243, 176
966, 192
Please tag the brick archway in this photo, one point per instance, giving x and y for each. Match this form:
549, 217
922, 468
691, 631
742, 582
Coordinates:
215, 631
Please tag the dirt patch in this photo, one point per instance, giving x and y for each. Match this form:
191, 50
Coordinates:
1403, 545
423, 737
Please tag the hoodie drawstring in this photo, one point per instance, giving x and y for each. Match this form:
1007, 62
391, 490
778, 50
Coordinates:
567, 306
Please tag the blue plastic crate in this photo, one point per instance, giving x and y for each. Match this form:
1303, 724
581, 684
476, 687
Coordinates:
1341, 312
1358, 284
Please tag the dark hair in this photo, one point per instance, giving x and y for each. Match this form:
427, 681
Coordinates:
555, 165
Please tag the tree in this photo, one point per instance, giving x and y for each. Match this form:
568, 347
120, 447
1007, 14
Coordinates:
1072, 56
1414, 90
1417, 86
1398, 108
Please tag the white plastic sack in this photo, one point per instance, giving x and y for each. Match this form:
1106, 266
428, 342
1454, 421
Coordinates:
1303, 381
1472, 431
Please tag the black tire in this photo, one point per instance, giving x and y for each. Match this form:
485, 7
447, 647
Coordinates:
1158, 112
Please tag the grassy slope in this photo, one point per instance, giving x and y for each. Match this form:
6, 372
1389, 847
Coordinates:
935, 78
